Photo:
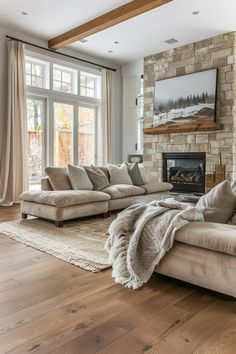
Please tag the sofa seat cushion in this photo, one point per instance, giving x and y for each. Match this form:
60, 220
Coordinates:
64, 198
209, 235
117, 191
155, 186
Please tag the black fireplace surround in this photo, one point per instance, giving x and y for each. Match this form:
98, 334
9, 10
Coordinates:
185, 171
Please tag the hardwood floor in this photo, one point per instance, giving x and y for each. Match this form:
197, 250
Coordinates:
49, 306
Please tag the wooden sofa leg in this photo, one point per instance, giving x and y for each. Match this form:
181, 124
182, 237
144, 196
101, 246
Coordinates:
59, 223
106, 215
23, 216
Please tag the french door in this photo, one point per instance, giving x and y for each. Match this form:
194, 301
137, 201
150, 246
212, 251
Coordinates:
59, 132
36, 135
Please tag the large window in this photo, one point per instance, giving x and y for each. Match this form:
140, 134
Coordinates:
62, 108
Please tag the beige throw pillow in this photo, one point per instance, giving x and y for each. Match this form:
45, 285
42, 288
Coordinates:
58, 178
143, 173
78, 178
219, 204
119, 175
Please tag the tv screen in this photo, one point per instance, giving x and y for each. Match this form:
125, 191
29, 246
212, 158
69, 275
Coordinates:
186, 99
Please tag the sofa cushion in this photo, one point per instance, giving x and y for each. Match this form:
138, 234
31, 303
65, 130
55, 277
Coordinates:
79, 179
143, 173
64, 198
119, 174
209, 235
97, 178
219, 204
58, 178
135, 174
123, 190
154, 187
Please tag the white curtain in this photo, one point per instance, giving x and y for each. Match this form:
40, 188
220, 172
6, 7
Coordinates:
106, 138
13, 163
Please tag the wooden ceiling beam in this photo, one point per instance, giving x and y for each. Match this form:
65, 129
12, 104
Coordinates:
118, 15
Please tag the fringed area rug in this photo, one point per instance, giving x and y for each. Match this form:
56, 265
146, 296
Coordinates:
79, 242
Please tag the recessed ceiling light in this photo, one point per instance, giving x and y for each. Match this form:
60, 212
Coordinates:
83, 40
195, 12
110, 51
24, 13
171, 41
116, 42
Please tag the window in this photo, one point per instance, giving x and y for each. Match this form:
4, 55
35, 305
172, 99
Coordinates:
37, 73
35, 123
62, 114
64, 79
90, 85
86, 138
63, 129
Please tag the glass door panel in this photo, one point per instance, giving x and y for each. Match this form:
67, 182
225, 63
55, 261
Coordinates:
63, 134
86, 135
35, 122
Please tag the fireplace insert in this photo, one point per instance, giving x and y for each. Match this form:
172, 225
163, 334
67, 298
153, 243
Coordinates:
186, 171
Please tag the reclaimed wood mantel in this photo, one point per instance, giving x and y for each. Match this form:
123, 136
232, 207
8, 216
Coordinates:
174, 128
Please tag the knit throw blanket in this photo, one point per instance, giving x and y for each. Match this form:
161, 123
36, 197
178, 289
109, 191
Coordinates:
141, 235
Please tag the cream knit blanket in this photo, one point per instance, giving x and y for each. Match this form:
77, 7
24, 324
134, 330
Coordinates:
141, 235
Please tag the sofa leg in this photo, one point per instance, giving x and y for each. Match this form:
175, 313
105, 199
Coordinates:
59, 223
106, 215
23, 216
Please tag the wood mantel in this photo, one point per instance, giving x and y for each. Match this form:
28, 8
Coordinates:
193, 127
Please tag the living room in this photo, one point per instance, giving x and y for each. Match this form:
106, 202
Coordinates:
118, 176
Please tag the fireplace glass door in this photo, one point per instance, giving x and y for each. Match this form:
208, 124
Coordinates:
186, 171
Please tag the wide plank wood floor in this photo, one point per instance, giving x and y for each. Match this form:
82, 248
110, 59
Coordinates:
49, 306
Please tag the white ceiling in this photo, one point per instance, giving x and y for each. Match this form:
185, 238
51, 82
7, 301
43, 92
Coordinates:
137, 37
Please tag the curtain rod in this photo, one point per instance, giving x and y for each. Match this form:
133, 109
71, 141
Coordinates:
59, 53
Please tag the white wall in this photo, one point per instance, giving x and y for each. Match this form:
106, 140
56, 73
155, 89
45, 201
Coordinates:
131, 74
3, 81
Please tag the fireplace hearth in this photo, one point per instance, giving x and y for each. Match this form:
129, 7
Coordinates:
186, 171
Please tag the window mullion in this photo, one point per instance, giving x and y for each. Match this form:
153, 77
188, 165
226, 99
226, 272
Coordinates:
75, 136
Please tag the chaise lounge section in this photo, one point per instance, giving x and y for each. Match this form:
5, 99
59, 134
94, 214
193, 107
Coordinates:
62, 205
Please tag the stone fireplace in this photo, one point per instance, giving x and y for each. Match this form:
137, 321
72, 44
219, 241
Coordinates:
218, 147
186, 171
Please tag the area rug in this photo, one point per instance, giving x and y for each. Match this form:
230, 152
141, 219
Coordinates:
79, 242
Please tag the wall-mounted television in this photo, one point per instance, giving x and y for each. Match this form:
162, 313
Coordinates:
185, 99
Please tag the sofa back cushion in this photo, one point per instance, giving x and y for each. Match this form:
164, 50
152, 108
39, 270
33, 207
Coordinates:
78, 177
58, 178
143, 173
219, 204
97, 177
119, 174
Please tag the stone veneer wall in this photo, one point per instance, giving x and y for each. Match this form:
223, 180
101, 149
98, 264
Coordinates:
218, 52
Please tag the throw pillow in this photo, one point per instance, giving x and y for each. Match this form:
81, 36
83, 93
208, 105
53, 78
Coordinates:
58, 178
119, 175
135, 174
143, 173
219, 204
78, 178
97, 177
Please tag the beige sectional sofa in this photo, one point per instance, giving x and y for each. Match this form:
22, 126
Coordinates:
61, 205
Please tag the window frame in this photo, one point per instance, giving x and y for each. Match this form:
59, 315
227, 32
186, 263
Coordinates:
49, 95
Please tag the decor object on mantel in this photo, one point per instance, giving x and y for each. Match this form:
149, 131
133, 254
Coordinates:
186, 99
211, 180
193, 127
